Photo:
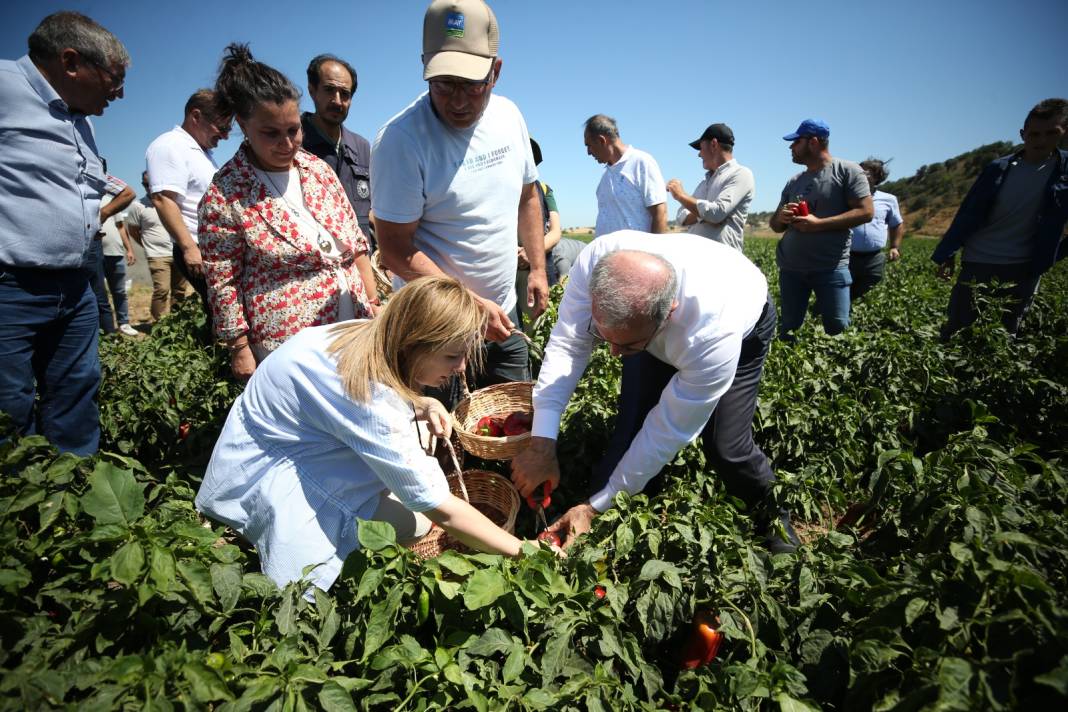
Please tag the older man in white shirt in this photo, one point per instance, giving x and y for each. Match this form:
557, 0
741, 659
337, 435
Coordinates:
698, 317
720, 204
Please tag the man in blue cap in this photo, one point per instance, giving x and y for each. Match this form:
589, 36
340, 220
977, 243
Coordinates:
817, 208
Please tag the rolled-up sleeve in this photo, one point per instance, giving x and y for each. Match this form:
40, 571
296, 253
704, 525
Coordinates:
567, 353
731, 194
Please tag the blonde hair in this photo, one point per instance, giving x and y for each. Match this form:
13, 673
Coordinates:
427, 315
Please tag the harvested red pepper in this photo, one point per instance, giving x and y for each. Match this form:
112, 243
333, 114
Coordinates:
704, 641
489, 427
518, 423
801, 208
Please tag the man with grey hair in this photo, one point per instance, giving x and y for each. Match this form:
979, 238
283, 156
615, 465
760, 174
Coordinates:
52, 180
631, 194
697, 320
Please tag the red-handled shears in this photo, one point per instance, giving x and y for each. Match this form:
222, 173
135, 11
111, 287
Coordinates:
539, 505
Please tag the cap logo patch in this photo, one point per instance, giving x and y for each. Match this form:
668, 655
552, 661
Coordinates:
454, 24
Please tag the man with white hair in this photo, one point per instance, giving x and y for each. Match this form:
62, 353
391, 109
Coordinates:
697, 316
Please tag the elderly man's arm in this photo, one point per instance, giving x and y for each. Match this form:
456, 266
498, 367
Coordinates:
399, 254
566, 356
131, 256
658, 213
119, 203
170, 214
532, 236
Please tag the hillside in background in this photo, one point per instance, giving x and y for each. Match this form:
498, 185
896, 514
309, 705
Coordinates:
929, 199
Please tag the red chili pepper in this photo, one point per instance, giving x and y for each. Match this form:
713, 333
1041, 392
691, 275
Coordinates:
802, 207
704, 642
183, 431
599, 591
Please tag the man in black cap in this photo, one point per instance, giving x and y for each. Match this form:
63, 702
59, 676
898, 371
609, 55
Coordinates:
718, 208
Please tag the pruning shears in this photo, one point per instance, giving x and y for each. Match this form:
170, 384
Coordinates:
539, 505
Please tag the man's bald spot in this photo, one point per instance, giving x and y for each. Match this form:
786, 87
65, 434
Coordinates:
646, 271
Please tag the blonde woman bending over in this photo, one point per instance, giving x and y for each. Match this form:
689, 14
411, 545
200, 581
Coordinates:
325, 434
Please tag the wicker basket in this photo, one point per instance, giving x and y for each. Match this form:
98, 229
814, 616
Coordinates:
502, 398
487, 492
382, 282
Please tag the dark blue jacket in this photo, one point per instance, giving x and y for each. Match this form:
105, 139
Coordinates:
352, 165
1050, 244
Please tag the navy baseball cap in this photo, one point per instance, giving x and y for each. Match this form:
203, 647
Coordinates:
809, 127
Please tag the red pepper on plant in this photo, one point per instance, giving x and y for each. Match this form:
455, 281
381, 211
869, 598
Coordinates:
703, 643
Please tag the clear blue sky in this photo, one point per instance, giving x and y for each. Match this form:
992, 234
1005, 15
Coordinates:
916, 80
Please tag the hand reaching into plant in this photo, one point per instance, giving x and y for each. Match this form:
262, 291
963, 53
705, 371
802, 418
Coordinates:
575, 522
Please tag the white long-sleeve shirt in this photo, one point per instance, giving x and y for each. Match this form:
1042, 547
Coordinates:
721, 296
723, 199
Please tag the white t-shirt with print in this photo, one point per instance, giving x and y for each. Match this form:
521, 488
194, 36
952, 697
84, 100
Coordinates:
628, 188
463, 186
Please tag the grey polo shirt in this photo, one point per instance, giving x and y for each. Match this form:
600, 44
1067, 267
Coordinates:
51, 174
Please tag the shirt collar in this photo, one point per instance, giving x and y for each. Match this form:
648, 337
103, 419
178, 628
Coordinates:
725, 164
40, 85
188, 137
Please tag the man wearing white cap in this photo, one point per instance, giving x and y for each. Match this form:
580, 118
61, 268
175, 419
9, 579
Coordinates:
455, 181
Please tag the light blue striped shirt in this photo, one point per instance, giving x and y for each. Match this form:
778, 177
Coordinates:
51, 173
299, 460
871, 236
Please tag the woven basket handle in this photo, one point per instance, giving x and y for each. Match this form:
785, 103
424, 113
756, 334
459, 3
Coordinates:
459, 471
463, 385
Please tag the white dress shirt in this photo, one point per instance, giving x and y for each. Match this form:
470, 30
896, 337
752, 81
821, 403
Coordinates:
723, 199
721, 296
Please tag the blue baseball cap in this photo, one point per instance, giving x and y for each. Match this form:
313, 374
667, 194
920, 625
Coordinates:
809, 127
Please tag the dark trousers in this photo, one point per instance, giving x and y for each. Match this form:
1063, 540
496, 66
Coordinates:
1020, 285
867, 270
48, 348
727, 439
502, 362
